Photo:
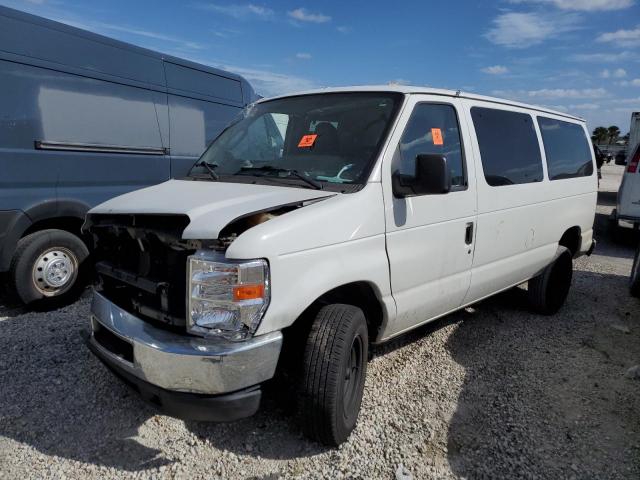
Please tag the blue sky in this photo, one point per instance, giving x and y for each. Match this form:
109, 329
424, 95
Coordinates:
580, 56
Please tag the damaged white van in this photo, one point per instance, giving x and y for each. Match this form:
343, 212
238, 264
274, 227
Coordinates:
321, 223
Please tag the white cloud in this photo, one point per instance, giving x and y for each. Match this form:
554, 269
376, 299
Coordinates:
583, 5
303, 15
303, 56
617, 73
624, 38
521, 30
269, 83
630, 83
624, 101
603, 57
584, 106
568, 93
239, 11
553, 93
399, 81
149, 34
495, 70
343, 29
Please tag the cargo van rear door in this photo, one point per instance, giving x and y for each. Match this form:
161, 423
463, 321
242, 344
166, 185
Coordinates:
629, 194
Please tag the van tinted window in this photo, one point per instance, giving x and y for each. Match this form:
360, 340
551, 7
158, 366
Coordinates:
509, 147
433, 129
566, 148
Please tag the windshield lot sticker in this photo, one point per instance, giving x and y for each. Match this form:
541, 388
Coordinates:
436, 134
307, 141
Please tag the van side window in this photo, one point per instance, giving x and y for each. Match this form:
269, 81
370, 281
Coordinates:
433, 129
509, 147
566, 148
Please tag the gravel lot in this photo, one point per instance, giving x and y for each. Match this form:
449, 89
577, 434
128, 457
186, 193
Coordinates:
492, 391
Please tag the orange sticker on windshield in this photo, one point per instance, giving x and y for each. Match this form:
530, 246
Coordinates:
436, 134
307, 141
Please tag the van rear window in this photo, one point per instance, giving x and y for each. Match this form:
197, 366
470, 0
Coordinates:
509, 147
566, 148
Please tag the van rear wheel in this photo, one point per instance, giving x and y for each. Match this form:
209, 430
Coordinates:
548, 291
47, 267
334, 370
634, 281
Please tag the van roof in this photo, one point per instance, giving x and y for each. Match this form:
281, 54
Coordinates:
409, 89
80, 32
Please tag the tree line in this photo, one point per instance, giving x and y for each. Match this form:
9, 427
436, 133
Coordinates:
608, 136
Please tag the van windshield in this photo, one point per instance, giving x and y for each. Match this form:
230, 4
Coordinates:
327, 139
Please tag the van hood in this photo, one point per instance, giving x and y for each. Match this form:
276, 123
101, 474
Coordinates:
210, 206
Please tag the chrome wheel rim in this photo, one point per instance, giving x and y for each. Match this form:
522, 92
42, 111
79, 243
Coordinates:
55, 271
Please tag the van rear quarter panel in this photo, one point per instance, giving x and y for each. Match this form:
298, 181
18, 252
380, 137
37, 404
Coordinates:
519, 226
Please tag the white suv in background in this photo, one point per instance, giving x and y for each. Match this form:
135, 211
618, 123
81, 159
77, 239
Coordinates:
323, 222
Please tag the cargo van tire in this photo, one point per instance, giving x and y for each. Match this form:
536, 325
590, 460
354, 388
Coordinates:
48, 267
334, 370
634, 280
548, 291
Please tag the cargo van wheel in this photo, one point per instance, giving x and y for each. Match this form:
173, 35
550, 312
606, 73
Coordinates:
549, 290
334, 370
634, 282
47, 267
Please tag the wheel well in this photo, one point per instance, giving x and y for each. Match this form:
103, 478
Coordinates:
68, 224
359, 294
572, 239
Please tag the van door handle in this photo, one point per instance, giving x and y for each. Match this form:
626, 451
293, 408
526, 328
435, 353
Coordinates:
468, 234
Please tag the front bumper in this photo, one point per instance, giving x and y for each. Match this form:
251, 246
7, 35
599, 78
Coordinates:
178, 367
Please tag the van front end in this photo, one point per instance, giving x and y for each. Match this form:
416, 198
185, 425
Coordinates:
176, 320
188, 377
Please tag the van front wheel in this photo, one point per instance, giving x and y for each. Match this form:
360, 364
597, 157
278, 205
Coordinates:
334, 370
549, 290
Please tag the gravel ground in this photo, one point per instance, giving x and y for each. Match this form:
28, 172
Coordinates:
492, 391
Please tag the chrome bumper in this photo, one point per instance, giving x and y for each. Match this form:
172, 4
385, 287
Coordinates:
181, 362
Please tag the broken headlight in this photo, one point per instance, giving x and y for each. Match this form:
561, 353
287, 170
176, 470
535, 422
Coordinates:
227, 298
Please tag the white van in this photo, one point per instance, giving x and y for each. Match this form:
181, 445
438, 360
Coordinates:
323, 222
628, 208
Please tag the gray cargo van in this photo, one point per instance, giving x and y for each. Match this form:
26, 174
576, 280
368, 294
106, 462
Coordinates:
84, 118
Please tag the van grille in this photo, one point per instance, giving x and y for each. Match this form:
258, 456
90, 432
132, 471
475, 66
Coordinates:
141, 264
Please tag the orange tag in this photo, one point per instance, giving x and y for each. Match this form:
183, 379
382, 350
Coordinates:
307, 141
436, 134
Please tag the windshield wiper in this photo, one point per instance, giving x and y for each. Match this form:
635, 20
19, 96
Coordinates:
289, 171
210, 169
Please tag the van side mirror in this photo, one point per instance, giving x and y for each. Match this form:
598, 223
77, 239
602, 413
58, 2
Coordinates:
432, 177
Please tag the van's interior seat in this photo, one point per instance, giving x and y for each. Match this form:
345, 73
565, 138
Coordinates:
328, 142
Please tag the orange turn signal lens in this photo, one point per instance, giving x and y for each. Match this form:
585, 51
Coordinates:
247, 292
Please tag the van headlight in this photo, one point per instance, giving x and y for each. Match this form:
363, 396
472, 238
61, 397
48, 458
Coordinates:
227, 298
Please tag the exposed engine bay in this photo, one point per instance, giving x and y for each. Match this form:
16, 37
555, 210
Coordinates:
141, 259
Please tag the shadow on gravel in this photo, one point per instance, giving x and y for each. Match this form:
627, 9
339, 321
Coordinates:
58, 399
545, 397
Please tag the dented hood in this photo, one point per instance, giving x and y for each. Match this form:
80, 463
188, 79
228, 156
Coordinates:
209, 205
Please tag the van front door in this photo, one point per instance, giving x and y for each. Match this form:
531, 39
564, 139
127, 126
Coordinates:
430, 238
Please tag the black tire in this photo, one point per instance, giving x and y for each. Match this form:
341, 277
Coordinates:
548, 291
31, 252
334, 370
634, 279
